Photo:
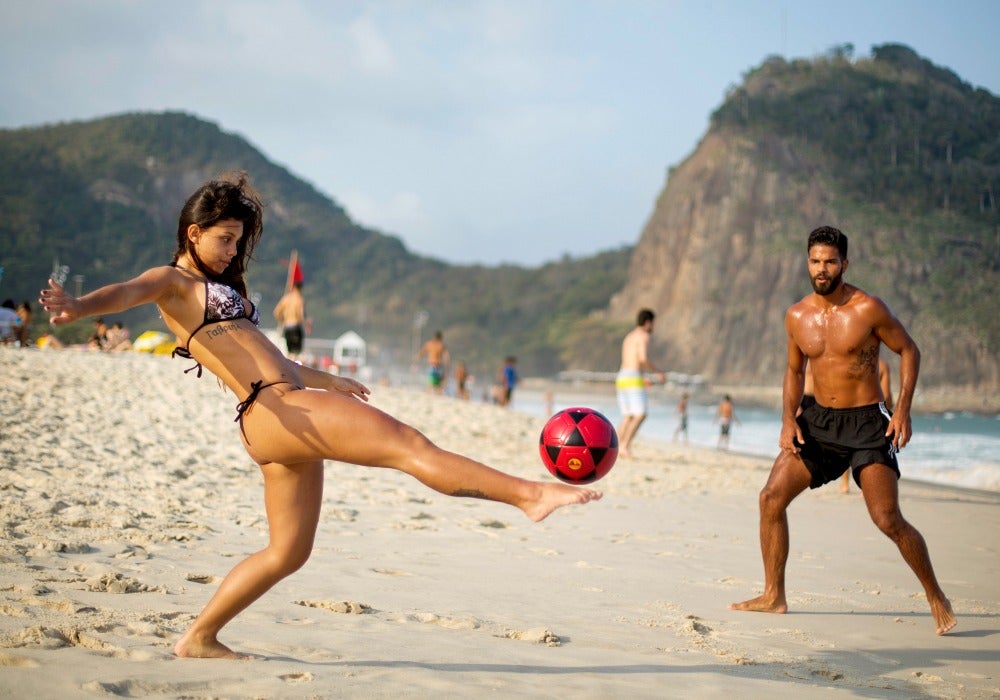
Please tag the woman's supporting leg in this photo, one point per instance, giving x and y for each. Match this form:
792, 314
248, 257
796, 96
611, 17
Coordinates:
292, 498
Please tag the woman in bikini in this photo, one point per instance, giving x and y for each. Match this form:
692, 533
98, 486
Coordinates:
291, 417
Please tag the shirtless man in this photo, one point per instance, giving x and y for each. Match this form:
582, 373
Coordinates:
290, 313
839, 329
630, 383
437, 360
725, 414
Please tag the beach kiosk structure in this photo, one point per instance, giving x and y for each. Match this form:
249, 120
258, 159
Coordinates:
350, 352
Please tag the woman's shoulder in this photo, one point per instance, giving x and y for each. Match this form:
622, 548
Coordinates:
173, 275
167, 282
163, 272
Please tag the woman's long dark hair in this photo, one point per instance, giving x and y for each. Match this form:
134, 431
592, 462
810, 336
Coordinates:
229, 197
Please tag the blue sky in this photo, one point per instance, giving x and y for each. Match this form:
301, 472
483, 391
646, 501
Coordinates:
479, 131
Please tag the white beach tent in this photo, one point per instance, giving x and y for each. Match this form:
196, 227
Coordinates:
349, 351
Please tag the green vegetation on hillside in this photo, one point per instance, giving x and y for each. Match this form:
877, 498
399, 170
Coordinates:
894, 129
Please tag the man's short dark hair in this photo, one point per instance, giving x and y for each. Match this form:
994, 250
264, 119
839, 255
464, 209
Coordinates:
828, 235
644, 315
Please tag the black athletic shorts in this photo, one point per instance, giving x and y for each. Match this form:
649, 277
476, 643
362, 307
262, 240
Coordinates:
293, 339
838, 439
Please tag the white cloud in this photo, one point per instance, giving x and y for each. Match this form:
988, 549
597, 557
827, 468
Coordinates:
373, 53
507, 23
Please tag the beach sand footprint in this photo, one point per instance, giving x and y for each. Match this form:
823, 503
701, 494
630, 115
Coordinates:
495, 524
84, 640
694, 626
451, 623
809, 669
116, 583
304, 677
36, 637
702, 636
133, 688
41, 637
535, 635
13, 660
348, 607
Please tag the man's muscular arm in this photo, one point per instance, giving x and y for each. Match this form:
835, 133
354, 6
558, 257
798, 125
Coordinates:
891, 332
791, 390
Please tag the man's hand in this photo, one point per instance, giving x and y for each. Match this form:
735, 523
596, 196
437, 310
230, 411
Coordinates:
790, 433
900, 429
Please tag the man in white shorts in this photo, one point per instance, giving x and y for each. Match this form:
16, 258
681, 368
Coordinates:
630, 383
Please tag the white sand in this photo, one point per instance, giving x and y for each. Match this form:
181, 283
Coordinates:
126, 496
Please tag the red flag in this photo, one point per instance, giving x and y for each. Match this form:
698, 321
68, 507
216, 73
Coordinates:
294, 271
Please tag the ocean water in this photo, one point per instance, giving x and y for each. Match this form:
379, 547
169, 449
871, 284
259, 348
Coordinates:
957, 449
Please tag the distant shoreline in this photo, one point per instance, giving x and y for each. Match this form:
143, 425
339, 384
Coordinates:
932, 401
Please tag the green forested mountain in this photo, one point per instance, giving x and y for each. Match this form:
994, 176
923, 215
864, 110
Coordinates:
894, 130
911, 157
897, 152
102, 197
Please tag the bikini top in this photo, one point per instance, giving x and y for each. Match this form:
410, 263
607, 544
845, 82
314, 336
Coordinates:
222, 303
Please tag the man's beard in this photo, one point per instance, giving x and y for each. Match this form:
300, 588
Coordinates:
829, 286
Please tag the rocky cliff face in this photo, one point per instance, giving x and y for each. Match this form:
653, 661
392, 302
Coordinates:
723, 255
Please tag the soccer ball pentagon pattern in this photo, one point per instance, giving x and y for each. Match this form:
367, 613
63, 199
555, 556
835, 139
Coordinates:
578, 445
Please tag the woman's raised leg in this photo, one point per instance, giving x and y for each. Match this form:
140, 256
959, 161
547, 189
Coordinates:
292, 498
309, 424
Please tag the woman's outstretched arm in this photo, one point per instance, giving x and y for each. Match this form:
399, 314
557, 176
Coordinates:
152, 285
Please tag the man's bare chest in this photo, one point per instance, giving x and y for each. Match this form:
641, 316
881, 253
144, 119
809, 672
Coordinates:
837, 332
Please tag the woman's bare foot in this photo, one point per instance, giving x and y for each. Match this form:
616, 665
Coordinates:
762, 604
553, 496
190, 648
944, 616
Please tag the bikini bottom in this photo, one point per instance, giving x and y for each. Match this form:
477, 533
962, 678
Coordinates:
244, 406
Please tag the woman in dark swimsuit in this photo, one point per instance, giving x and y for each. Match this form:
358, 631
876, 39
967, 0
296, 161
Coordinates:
291, 417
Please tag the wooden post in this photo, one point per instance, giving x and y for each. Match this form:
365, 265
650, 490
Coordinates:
292, 264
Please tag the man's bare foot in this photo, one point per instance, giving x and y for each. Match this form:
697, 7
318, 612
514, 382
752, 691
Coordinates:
190, 648
762, 604
624, 453
944, 616
555, 496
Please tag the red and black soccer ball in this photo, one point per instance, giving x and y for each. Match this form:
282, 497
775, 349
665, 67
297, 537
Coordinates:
578, 445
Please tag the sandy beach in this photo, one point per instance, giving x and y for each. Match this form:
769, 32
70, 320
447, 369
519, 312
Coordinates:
126, 496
